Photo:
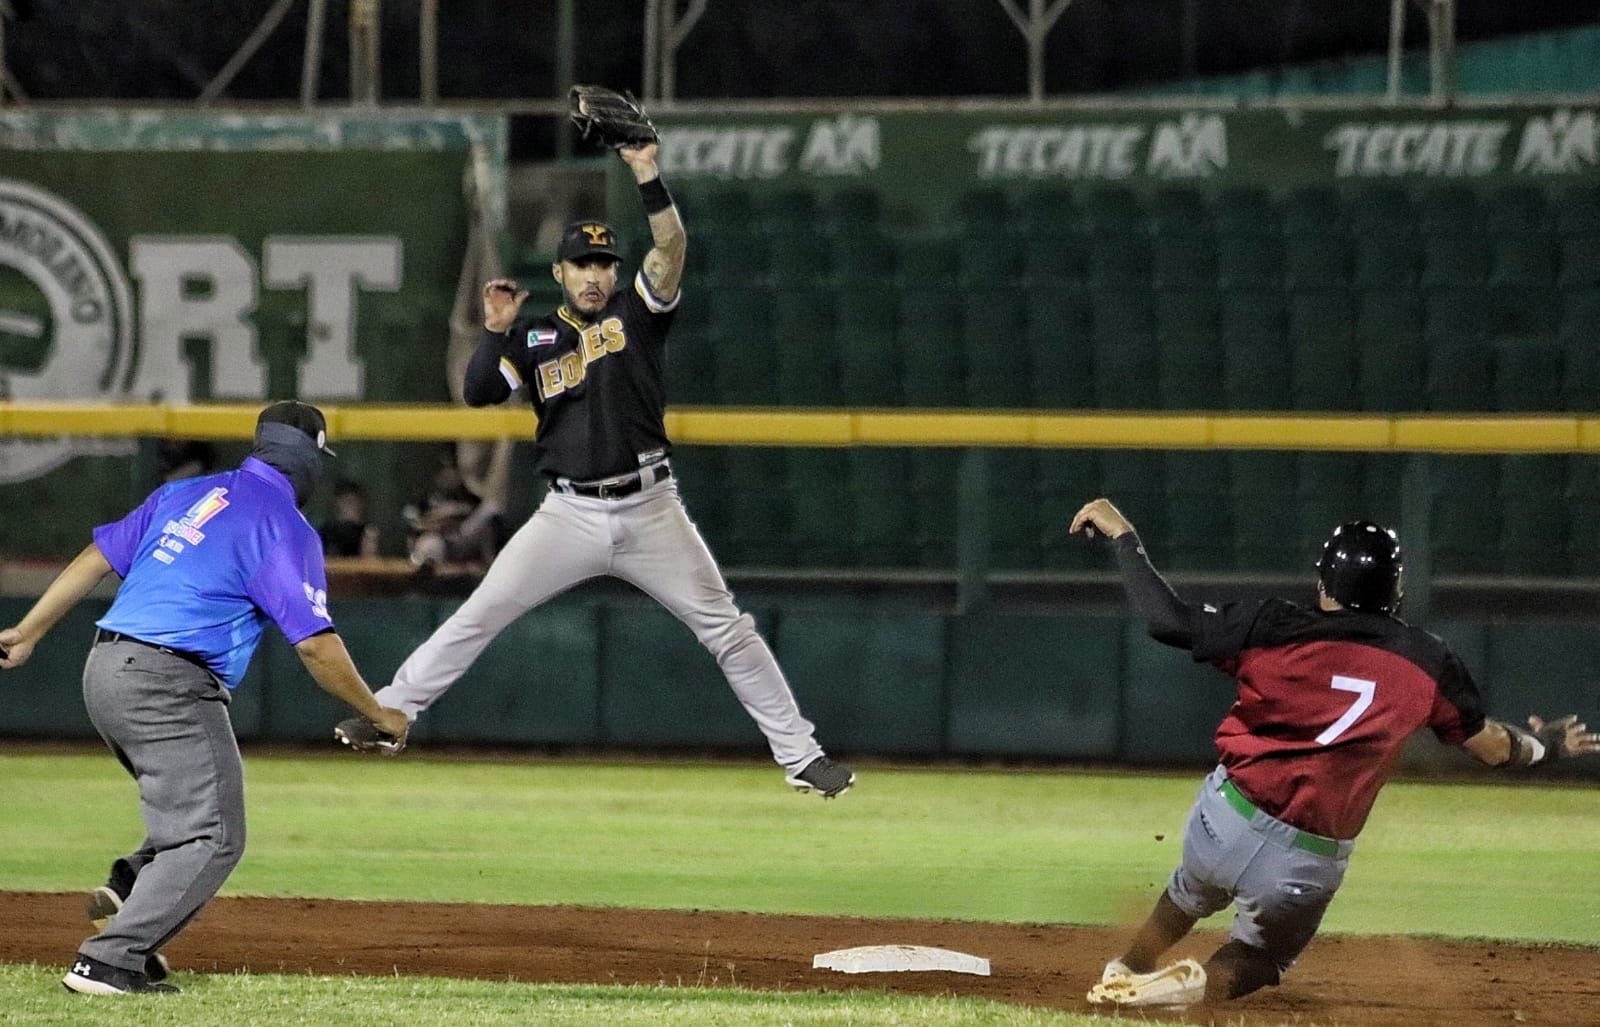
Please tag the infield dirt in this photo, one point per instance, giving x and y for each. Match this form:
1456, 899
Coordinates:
1341, 981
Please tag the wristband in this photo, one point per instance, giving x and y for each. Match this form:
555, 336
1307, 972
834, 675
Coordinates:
655, 196
1526, 748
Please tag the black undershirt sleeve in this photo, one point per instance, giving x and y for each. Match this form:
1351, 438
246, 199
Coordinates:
484, 385
1168, 618
1461, 692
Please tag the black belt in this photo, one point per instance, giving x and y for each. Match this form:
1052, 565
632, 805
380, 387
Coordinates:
102, 635
614, 488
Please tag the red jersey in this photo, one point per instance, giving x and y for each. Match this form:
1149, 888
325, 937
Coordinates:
1326, 702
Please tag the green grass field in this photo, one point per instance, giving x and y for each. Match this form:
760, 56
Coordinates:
30, 995
1058, 847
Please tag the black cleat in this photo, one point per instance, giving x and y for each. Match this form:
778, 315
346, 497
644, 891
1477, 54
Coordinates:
823, 776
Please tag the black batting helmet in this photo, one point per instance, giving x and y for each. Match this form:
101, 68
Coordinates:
1360, 567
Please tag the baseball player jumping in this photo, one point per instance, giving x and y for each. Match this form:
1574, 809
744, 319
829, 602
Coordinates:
1327, 697
593, 369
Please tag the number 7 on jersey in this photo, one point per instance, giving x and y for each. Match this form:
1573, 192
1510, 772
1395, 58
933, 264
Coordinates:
1364, 691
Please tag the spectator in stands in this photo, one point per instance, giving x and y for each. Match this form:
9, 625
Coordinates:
185, 458
347, 532
450, 524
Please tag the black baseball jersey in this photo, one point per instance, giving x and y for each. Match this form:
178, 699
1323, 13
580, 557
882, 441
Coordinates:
598, 386
1326, 702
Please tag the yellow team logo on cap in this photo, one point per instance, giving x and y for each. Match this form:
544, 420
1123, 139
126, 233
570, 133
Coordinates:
598, 235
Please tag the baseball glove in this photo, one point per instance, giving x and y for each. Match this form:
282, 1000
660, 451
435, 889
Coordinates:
362, 735
610, 118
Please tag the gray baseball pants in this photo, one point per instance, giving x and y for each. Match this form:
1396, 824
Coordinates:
1280, 890
645, 539
166, 721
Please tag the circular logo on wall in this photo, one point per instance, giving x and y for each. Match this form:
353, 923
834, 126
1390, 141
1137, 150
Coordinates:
65, 317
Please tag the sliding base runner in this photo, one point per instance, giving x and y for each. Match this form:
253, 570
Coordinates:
1327, 696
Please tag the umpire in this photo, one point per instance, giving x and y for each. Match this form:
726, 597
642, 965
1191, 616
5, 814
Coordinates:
205, 563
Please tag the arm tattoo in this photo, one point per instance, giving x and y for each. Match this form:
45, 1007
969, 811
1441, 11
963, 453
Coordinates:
663, 265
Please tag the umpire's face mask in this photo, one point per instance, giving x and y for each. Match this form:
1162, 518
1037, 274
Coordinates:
292, 452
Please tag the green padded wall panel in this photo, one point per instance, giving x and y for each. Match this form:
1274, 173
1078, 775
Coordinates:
659, 687
293, 708
1035, 686
1171, 705
537, 683
869, 675
45, 697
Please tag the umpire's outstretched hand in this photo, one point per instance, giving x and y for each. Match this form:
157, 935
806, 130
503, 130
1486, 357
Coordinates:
14, 649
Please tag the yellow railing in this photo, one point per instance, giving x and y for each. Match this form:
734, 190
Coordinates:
771, 426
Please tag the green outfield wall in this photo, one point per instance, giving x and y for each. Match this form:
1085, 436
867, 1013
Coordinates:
881, 678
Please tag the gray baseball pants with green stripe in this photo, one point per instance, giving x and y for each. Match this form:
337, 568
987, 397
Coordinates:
1279, 889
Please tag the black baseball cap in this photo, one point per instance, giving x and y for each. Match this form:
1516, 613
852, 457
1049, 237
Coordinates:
588, 239
299, 415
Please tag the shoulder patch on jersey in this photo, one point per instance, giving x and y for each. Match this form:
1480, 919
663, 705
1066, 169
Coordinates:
541, 337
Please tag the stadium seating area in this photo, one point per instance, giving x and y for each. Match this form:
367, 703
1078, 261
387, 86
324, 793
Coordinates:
1244, 512
1377, 298
1372, 298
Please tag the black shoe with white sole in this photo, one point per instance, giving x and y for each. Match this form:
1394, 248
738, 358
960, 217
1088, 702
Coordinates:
89, 976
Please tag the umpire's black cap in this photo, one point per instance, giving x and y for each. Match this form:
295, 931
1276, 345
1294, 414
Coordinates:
583, 239
298, 415
1361, 568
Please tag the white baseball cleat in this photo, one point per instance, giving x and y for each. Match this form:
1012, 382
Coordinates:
1181, 984
1116, 970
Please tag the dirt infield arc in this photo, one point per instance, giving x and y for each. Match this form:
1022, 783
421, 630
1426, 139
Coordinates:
1340, 982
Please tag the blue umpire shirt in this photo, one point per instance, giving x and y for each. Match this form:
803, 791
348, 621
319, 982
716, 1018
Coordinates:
206, 562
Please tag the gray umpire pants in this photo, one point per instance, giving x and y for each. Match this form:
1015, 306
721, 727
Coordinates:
166, 721
645, 539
